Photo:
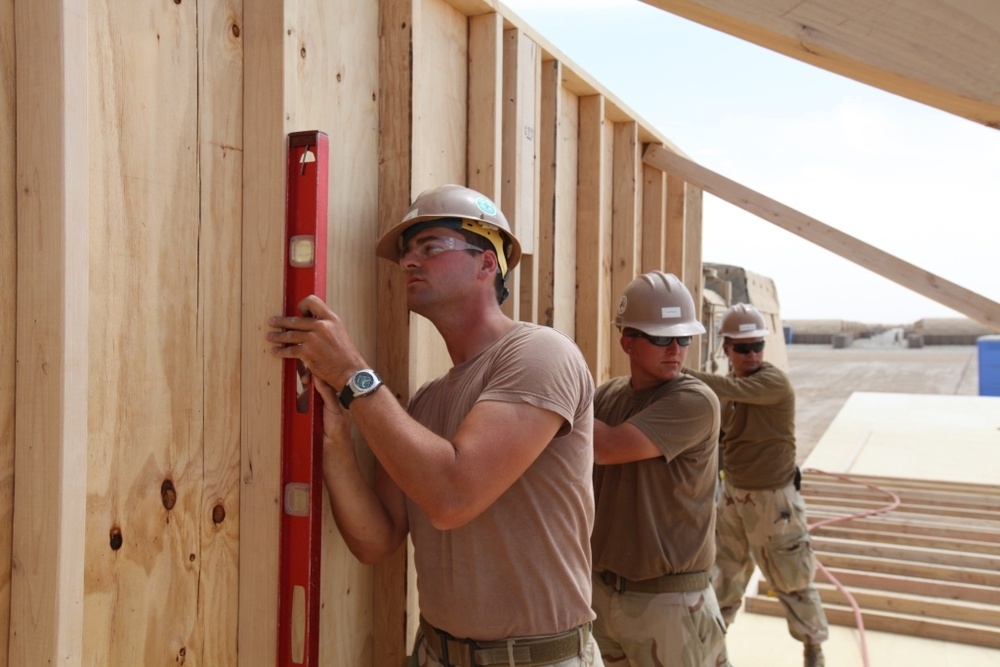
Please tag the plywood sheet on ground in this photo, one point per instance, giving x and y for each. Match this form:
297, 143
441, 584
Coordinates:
756, 640
914, 436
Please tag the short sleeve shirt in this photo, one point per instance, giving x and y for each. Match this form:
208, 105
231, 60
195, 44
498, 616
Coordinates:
522, 567
656, 516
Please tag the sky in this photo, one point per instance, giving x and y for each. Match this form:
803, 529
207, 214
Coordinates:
913, 181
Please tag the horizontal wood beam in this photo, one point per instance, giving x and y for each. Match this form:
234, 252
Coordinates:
911, 524
898, 483
984, 546
907, 525
877, 261
907, 497
922, 600
943, 54
915, 553
903, 584
929, 510
917, 605
906, 568
916, 626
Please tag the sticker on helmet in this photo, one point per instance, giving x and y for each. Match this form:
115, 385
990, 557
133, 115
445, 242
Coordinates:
486, 206
748, 327
668, 312
622, 305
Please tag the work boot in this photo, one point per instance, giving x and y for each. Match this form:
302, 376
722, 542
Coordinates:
814, 655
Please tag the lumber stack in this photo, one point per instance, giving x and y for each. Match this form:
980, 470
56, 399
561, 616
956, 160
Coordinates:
929, 568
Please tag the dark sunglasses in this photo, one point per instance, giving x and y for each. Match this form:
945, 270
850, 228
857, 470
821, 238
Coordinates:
661, 341
747, 348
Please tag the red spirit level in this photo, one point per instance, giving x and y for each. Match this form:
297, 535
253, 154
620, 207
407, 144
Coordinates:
301, 407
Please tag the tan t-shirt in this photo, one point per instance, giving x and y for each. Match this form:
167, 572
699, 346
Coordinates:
657, 516
758, 424
522, 567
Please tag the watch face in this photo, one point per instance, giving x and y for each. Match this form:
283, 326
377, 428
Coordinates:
364, 381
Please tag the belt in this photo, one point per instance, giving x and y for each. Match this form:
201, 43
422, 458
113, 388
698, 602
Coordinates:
520, 651
668, 583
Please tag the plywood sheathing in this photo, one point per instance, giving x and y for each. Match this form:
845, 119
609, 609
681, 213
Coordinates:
149, 323
220, 239
165, 139
308, 66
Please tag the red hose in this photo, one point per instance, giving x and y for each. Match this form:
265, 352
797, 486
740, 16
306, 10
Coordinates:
882, 510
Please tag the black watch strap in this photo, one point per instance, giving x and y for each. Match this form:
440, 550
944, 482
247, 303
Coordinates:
362, 383
346, 396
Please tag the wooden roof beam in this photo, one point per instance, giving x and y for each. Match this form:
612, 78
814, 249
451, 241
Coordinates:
878, 261
943, 54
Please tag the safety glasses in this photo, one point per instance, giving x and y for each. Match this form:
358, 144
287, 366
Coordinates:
747, 348
661, 341
432, 246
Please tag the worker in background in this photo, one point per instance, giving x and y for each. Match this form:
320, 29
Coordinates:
656, 453
761, 514
489, 469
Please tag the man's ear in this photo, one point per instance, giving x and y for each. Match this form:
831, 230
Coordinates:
626, 343
490, 263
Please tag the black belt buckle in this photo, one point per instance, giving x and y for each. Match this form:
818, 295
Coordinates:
443, 639
615, 581
462, 645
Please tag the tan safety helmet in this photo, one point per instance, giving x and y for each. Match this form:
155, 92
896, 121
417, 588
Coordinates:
460, 208
658, 304
741, 320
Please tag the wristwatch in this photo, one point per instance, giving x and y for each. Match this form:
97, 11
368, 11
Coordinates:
362, 383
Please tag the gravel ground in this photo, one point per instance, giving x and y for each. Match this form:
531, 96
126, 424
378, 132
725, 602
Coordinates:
824, 378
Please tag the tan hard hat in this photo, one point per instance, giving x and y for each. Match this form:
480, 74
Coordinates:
741, 320
658, 304
475, 212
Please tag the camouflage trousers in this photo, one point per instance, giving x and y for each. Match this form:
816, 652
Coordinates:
659, 629
768, 528
423, 656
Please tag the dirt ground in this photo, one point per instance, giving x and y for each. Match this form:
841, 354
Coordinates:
824, 377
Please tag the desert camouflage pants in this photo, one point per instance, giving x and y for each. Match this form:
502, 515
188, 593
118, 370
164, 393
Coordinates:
659, 629
769, 528
423, 656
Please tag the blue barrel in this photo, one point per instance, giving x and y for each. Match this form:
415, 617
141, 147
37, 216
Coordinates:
788, 335
988, 348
